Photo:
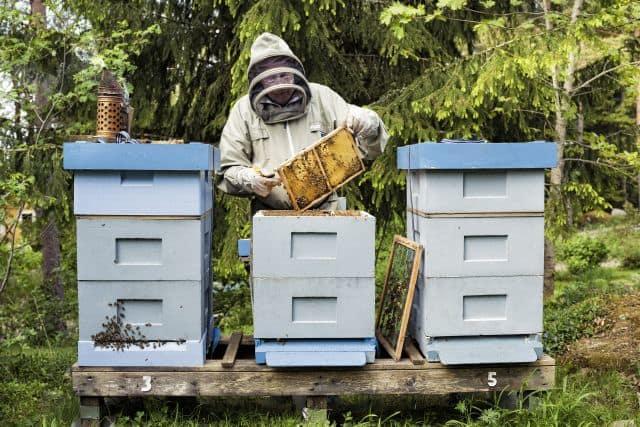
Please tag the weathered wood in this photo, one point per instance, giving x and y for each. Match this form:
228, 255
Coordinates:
249, 365
404, 323
473, 214
317, 402
413, 353
90, 411
405, 378
231, 352
385, 344
246, 340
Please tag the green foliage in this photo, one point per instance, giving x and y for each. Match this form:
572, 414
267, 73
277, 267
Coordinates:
233, 307
502, 74
564, 325
582, 253
622, 238
25, 306
34, 386
579, 399
573, 311
631, 259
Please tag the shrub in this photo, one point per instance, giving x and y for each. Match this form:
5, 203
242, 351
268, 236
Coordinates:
566, 324
583, 253
631, 258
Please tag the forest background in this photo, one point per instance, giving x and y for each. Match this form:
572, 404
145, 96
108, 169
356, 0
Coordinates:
502, 70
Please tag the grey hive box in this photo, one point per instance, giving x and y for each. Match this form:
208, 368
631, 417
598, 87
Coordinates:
144, 231
313, 275
478, 210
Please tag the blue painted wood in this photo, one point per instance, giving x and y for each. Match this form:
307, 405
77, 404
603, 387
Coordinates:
319, 352
244, 248
216, 159
214, 335
165, 193
294, 359
505, 155
171, 353
166, 157
484, 350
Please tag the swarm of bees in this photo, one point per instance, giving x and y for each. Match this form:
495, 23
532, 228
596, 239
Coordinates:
118, 335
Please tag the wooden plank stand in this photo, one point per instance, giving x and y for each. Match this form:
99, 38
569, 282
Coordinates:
233, 372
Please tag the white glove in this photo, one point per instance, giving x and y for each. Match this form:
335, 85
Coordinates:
262, 186
362, 122
259, 184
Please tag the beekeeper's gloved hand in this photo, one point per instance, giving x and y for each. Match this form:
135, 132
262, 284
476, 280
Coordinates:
364, 123
260, 185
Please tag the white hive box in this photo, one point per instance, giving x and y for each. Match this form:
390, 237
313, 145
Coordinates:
478, 210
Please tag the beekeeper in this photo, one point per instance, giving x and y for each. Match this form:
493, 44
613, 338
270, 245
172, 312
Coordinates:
281, 115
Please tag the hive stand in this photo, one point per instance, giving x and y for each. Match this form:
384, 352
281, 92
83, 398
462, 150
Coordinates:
233, 372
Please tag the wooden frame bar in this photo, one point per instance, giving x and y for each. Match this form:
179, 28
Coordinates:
396, 353
314, 150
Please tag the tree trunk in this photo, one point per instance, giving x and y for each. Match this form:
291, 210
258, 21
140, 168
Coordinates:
638, 126
549, 269
39, 20
50, 239
38, 11
563, 94
17, 122
49, 236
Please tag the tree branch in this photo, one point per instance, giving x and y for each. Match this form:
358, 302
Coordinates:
598, 163
597, 76
7, 272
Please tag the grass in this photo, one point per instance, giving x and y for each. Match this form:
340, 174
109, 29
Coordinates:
589, 398
35, 386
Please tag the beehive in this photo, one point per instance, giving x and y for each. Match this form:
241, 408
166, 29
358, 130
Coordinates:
313, 274
321, 169
478, 209
144, 228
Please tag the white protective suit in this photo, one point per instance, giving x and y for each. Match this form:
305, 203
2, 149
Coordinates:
262, 134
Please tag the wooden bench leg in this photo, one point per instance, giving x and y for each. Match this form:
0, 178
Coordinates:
315, 411
90, 411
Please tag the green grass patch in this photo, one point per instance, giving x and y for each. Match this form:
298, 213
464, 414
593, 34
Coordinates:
590, 398
35, 386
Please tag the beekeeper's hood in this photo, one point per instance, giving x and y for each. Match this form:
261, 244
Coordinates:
271, 57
